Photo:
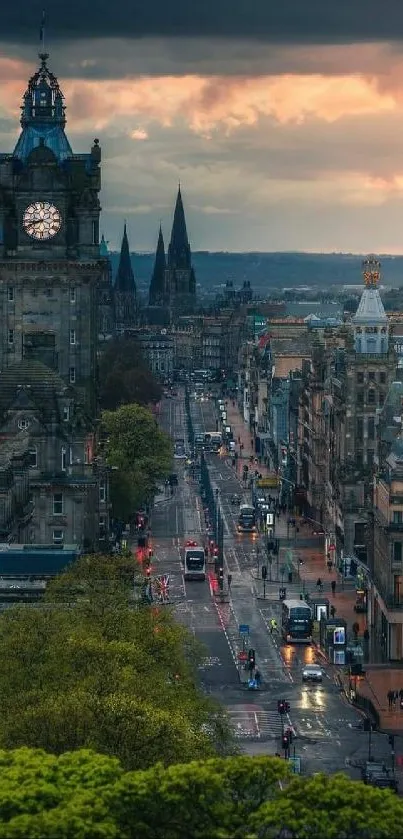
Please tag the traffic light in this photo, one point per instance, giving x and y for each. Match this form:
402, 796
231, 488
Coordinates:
264, 572
148, 572
251, 659
281, 706
287, 707
286, 741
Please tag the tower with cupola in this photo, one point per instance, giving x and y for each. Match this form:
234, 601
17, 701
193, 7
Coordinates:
50, 263
51, 273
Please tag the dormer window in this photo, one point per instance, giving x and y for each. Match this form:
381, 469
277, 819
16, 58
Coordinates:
23, 424
66, 413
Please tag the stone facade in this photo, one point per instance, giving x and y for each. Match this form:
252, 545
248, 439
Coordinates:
51, 277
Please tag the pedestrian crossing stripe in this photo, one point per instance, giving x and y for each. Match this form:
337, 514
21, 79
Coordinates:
259, 724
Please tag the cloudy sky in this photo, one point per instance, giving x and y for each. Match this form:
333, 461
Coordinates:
283, 121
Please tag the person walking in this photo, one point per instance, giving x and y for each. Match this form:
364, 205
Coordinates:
273, 626
319, 584
390, 696
333, 586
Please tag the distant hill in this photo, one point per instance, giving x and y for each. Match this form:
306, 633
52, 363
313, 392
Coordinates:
267, 271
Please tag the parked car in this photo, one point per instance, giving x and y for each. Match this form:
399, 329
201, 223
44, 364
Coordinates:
312, 673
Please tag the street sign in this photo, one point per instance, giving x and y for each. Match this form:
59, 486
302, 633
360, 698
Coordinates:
244, 629
295, 763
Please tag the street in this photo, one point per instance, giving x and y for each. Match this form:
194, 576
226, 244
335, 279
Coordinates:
327, 729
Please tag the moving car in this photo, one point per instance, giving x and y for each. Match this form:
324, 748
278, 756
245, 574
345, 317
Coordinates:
312, 673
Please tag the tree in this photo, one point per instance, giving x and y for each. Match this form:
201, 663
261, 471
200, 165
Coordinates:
203, 800
124, 376
332, 807
139, 450
43, 796
92, 670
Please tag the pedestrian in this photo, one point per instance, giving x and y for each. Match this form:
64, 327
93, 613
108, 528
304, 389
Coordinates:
396, 697
366, 635
329, 566
333, 586
390, 699
319, 585
332, 611
258, 678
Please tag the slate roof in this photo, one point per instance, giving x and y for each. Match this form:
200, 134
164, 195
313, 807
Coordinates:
32, 381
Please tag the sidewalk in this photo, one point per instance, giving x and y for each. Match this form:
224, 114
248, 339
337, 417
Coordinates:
379, 678
242, 433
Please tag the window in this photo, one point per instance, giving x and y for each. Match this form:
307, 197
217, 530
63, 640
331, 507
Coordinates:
371, 397
359, 428
360, 378
360, 397
64, 459
94, 232
102, 527
370, 457
66, 413
58, 537
381, 399
102, 493
32, 457
23, 424
72, 336
397, 517
371, 428
371, 376
72, 295
11, 336
72, 375
10, 294
382, 378
397, 552
58, 504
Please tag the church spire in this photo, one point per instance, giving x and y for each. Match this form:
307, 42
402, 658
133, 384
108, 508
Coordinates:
179, 256
157, 285
125, 277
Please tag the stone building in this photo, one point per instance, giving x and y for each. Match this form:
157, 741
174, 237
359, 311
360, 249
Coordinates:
343, 394
51, 273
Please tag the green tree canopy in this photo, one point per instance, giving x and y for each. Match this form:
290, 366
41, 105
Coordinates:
93, 669
84, 795
124, 376
140, 453
332, 807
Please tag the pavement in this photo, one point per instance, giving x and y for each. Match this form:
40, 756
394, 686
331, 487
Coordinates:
379, 679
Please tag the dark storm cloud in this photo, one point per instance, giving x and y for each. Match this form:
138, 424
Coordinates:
306, 21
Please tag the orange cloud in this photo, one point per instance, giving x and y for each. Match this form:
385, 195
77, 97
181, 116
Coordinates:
207, 104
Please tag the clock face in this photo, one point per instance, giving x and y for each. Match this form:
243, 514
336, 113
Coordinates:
42, 220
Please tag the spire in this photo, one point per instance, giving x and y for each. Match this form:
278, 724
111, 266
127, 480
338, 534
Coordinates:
125, 276
43, 115
179, 255
157, 285
103, 247
371, 329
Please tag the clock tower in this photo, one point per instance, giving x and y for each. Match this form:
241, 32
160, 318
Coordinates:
50, 263
52, 277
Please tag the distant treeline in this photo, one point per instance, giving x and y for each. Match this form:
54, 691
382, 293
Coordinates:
272, 270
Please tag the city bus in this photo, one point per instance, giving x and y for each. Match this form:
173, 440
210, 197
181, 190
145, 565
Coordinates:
296, 622
213, 441
194, 561
246, 519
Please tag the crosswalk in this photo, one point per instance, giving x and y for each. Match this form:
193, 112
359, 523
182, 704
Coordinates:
258, 725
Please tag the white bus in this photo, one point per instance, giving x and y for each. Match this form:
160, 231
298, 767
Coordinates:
194, 561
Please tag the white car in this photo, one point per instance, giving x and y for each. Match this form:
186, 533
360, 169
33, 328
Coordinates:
312, 673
